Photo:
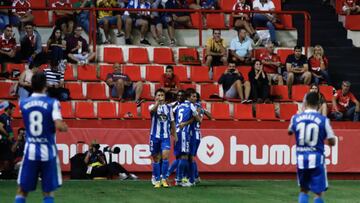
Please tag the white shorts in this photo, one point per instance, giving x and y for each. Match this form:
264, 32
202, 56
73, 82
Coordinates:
81, 57
231, 93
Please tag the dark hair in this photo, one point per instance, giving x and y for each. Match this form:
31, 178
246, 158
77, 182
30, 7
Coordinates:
8, 25
20, 130
189, 92
160, 90
29, 23
312, 99
53, 39
198, 97
298, 47
10, 106
38, 82
169, 67
54, 63
214, 30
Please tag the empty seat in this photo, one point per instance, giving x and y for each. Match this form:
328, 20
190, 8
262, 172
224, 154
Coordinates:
37, 3
188, 56
265, 112
113, 55
277, 4
67, 110
244, 70
283, 54
87, 72
5, 90
352, 22
138, 56
106, 110
287, 21
105, 70
41, 18
133, 71
76, 90
69, 73
145, 113
200, 74
299, 91
96, 91
220, 111
227, 4
327, 91
146, 93
181, 72
187, 85
287, 111
128, 110
154, 73
15, 66
208, 90
279, 92
215, 21
84, 109
163, 56
195, 20
218, 71
243, 111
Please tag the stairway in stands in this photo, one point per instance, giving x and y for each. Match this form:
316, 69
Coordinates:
328, 32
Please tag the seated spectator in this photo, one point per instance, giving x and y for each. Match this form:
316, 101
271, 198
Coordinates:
322, 102
7, 46
259, 83
344, 104
265, 19
82, 16
78, 49
318, 64
272, 64
106, 18
21, 13
122, 87
55, 82
240, 48
140, 19
242, 20
233, 84
216, 50
297, 69
170, 83
351, 7
158, 22
64, 18
202, 4
25, 88
4, 14
31, 47
56, 46
6, 139
17, 149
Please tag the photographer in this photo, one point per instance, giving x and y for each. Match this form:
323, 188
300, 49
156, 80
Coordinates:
98, 167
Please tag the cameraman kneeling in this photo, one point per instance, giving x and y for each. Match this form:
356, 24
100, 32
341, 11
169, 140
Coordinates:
97, 166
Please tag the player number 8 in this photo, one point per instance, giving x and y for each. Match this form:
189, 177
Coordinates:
36, 120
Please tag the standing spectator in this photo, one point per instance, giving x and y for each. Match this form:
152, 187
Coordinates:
240, 48
216, 50
351, 7
82, 16
242, 20
322, 102
122, 87
319, 65
170, 83
265, 19
18, 149
25, 88
106, 18
7, 136
7, 46
4, 14
21, 13
78, 49
297, 69
55, 82
56, 46
259, 83
64, 18
233, 84
344, 104
272, 64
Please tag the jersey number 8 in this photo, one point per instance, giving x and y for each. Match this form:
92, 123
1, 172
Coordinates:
36, 119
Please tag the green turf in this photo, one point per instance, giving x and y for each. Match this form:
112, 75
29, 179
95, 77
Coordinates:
102, 191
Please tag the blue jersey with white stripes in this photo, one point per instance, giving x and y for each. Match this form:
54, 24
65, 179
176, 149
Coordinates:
161, 121
195, 126
184, 112
39, 113
311, 129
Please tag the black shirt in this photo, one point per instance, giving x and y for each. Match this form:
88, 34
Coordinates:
296, 62
228, 79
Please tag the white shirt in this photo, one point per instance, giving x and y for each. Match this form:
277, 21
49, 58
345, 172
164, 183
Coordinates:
263, 7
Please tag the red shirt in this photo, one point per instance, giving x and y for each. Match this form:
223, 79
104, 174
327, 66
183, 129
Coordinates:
7, 44
23, 7
315, 64
343, 101
240, 7
59, 4
350, 3
270, 57
169, 82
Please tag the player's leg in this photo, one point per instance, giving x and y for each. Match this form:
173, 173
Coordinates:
319, 183
27, 179
191, 173
184, 157
51, 178
304, 183
155, 153
165, 148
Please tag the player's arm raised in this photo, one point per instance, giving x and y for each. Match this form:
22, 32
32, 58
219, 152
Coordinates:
153, 107
172, 125
330, 135
56, 114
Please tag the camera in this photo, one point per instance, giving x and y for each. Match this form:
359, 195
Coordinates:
232, 70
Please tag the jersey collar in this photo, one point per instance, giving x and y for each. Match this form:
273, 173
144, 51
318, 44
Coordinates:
310, 111
38, 94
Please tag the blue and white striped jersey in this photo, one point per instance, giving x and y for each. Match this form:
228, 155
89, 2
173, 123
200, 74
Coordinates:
311, 129
184, 112
195, 126
161, 121
39, 113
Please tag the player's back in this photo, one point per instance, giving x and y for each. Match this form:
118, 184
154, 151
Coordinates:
38, 116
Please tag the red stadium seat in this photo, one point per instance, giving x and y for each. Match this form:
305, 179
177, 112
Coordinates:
187, 85
17, 113
277, 4
299, 91
163, 56
138, 56
5, 90
287, 111
200, 74
133, 72
113, 55
145, 113
279, 92
154, 73
181, 72
67, 110
352, 22
69, 73
195, 20
327, 91
284, 53
265, 112
37, 3
244, 70
84, 109
215, 21
105, 70
338, 6
96, 91
188, 56
227, 4
218, 71
76, 90
87, 73
220, 111
41, 18
208, 90
106, 110
128, 110
243, 111
286, 20
146, 93
15, 66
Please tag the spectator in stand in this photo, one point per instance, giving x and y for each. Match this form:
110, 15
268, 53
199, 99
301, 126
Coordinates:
140, 19
240, 48
6, 138
122, 87
259, 83
25, 88
31, 47
265, 19
234, 85
272, 64
78, 49
202, 4
351, 7
21, 13
56, 46
106, 18
297, 69
344, 104
82, 16
318, 64
7, 46
55, 82
64, 18
170, 83
18, 149
4, 14
216, 50
157, 22
322, 102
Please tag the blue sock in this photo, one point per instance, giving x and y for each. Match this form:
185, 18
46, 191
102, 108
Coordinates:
48, 199
192, 172
318, 200
172, 168
156, 171
196, 170
20, 199
181, 168
164, 167
303, 198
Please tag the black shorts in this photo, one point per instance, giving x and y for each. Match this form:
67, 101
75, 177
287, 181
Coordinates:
216, 61
5, 151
